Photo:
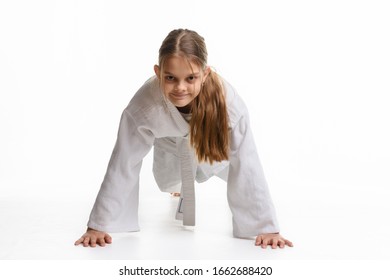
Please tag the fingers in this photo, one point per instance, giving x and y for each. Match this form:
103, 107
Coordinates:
264, 244
281, 243
258, 240
102, 242
105, 239
289, 243
271, 239
261, 241
108, 239
78, 242
86, 241
92, 239
275, 242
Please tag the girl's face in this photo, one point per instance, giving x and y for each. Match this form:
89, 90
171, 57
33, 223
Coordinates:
181, 83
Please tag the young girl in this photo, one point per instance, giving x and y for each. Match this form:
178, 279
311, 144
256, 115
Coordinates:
199, 127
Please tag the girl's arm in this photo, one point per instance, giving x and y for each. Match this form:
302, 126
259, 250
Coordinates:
116, 206
248, 195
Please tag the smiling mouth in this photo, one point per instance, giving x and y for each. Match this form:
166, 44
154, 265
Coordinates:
179, 96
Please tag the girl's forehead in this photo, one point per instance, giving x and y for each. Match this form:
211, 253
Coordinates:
180, 66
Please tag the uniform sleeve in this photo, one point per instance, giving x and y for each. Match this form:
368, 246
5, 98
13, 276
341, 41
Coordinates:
248, 195
116, 205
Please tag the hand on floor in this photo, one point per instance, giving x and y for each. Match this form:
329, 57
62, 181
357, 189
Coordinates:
93, 237
273, 239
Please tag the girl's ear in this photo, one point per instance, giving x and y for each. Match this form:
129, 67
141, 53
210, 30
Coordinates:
157, 71
206, 72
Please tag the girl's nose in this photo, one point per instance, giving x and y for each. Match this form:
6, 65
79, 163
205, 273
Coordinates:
180, 87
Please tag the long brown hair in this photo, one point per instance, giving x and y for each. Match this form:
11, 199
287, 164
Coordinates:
209, 124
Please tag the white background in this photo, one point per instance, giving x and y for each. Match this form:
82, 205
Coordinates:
314, 74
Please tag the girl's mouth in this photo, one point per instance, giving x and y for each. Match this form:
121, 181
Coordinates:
179, 96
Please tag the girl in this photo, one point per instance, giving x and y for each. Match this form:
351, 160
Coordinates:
199, 127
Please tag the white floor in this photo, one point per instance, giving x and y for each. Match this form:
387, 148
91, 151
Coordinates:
324, 221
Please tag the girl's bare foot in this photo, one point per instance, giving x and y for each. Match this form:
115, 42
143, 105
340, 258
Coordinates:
175, 193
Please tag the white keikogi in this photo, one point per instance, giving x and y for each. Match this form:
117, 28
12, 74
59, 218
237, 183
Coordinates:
150, 120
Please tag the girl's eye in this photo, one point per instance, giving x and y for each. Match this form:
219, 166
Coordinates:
169, 78
191, 78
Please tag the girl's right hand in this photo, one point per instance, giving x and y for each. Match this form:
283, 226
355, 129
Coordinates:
93, 237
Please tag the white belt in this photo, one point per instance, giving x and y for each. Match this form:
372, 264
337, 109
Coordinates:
186, 208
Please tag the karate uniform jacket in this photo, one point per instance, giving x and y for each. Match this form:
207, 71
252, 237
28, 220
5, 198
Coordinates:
151, 120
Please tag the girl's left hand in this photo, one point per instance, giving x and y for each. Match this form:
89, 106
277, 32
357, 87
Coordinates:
273, 239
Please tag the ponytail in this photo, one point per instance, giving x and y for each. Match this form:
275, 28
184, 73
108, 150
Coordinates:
209, 125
